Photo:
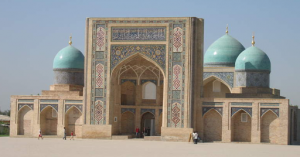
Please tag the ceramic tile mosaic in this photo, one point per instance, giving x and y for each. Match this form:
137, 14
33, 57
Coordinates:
265, 110
237, 109
225, 76
138, 33
143, 110
69, 106
206, 109
22, 105
128, 109
43, 106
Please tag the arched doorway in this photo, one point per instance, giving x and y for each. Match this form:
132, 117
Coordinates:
212, 126
241, 127
148, 124
48, 121
127, 123
269, 125
25, 121
73, 118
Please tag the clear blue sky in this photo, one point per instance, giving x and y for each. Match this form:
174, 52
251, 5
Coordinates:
32, 32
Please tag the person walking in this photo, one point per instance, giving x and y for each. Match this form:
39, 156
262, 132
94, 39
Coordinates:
40, 135
65, 134
195, 137
72, 136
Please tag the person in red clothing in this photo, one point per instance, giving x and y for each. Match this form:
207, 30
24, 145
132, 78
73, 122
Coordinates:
40, 135
137, 130
72, 136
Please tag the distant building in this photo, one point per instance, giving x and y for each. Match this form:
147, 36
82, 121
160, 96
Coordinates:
150, 73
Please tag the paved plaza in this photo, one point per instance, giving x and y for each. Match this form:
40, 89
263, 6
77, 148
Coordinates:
54, 147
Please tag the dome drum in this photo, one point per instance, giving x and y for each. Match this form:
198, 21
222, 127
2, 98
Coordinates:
252, 79
73, 77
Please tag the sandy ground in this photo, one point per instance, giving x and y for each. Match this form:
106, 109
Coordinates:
30, 147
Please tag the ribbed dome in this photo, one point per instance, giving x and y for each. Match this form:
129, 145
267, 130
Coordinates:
69, 58
253, 59
223, 52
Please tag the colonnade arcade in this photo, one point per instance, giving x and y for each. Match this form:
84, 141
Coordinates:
137, 89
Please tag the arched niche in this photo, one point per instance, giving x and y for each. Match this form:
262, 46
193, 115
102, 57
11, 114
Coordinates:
215, 88
149, 91
73, 118
241, 127
212, 126
127, 123
25, 115
48, 121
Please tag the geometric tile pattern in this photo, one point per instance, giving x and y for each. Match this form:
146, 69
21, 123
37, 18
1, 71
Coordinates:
218, 109
177, 77
157, 53
252, 79
99, 75
73, 101
99, 92
225, 76
128, 109
22, 105
48, 100
177, 39
99, 112
138, 33
143, 110
176, 115
43, 106
100, 45
25, 100
265, 110
69, 106
176, 94
236, 109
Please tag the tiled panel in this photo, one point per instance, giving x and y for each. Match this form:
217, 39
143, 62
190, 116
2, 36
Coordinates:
138, 34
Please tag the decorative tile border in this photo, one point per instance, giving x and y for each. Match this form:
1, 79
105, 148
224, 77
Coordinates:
213, 103
160, 111
269, 104
206, 109
125, 80
138, 34
234, 110
143, 110
69, 106
43, 106
22, 105
49, 100
265, 110
128, 109
73, 101
25, 100
227, 77
241, 104
144, 81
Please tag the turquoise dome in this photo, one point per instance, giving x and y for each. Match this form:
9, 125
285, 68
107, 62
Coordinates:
223, 52
253, 59
69, 58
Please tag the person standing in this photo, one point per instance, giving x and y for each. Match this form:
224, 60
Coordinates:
195, 137
40, 135
65, 134
137, 130
72, 136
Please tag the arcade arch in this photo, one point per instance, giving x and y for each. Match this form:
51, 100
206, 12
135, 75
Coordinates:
25, 121
269, 124
215, 87
212, 126
48, 121
241, 127
73, 118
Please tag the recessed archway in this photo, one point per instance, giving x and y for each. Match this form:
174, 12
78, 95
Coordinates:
25, 121
215, 87
241, 127
73, 118
127, 123
268, 127
48, 121
212, 126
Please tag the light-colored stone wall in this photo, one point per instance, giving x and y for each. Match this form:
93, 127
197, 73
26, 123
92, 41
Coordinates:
212, 126
269, 124
240, 131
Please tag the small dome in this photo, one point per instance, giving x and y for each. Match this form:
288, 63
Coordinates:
69, 58
223, 52
253, 59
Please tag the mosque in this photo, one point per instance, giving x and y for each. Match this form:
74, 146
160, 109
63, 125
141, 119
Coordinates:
151, 73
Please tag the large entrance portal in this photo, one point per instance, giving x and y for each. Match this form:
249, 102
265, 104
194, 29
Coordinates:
137, 87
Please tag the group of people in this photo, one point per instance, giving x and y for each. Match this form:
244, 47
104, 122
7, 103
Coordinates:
145, 132
64, 138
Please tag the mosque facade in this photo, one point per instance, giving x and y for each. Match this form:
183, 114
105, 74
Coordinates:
151, 73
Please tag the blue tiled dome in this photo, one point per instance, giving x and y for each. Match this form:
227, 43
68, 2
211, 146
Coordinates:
223, 52
253, 59
69, 58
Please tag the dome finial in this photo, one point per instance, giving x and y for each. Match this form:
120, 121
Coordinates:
227, 29
70, 41
253, 42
